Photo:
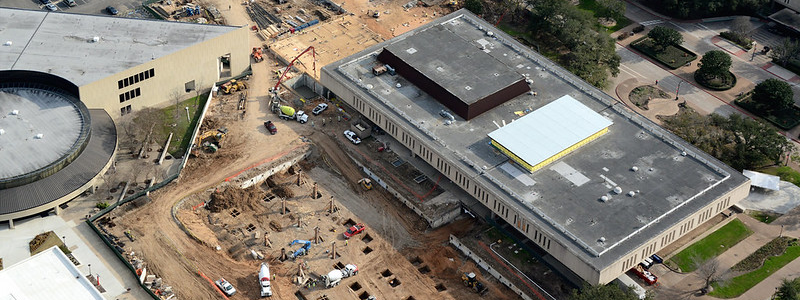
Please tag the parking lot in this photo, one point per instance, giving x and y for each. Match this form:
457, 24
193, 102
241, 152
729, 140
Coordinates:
93, 7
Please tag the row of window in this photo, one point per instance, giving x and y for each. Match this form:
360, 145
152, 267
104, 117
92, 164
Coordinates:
683, 229
130, 95
125, 110
147, 74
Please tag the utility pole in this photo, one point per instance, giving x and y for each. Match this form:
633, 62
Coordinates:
678, 90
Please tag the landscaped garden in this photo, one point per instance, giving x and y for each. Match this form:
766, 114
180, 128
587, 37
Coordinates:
673, 56
761, 264
712, 245
641, 96
605, 15
782, 118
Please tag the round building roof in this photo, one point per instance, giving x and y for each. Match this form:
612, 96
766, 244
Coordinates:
41, 131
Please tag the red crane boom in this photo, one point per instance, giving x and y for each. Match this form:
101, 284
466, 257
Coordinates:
314, 65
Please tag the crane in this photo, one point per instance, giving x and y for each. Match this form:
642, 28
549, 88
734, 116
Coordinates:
314, 65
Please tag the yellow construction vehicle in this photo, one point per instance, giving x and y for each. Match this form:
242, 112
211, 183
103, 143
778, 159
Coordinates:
452, 3
471, 281
366, 183
233, 86
210, 140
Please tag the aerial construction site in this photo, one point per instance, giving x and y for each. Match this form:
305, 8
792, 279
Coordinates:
280, 197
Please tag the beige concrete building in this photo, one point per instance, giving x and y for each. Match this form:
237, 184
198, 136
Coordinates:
600, 199
65, 78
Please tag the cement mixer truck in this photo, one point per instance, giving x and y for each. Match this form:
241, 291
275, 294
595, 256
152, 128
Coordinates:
334, 277
263, 278
288, 113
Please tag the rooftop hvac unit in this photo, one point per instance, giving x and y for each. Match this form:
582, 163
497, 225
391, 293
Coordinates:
39, 136
95, 39
15, 112
617, 190
604, 198
8, 43
2, 131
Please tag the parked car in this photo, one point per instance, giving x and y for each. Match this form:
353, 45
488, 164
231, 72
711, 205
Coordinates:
51, 7
352, 137
71, 2
112, 10
355, 229
225, 286
271, 127
319, 109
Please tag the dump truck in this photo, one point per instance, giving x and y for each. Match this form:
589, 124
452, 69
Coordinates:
263, 279
471, 281
288, 113
334, 277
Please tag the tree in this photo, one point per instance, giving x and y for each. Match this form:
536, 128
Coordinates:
740, 142
475, 6
741, 25
710, 271
789, 290
785, 51
605, 292
715, 63
663, 37
613, 8
774, 93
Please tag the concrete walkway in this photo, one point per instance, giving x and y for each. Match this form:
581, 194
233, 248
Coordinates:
655, 107
685, 286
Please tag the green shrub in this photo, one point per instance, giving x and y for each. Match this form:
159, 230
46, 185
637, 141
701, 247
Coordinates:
101, 205
738, 39
754, 261
638, 29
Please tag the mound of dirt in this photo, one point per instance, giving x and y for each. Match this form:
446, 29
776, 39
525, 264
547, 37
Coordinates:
233, 197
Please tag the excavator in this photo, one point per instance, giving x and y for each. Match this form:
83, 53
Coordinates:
233, 86
302, 251
257, 54
366, 183
210, 140
471, 281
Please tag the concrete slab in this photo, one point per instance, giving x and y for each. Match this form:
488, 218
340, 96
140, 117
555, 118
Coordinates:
781, 72
777, 201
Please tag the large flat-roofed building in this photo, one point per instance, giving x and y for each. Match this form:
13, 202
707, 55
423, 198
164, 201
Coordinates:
65, 79
596, 186
47, 275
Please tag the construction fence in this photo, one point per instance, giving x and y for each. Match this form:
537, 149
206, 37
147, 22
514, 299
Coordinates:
167, 180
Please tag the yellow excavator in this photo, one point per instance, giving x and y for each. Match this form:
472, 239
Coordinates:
210, 140
366, 183
233, 86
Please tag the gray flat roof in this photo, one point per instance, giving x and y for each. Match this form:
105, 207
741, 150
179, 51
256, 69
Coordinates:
101, 146
549, 130
60, 43
673, 179
47, 275
40, 112
456, 64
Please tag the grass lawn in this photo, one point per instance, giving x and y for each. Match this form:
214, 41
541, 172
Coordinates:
180, 125
712, 245
765, 217
672, 56
783, 118
596, 9
740, 284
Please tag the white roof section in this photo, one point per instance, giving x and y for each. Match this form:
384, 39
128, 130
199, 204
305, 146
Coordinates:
46, 275
60, 43
549, 130
762, 180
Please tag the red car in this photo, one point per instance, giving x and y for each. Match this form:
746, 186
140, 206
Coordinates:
356, 229
271, 127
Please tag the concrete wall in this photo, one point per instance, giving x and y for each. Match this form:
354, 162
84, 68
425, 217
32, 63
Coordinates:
675, 232
501, 205
199, 62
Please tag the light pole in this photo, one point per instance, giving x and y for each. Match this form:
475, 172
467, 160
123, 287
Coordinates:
678, 89
90, 269
64, 239
187, 115
754, 51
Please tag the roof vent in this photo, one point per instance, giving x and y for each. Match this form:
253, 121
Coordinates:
2, 131
398, 85
95, 39
683, 153
631, 193
489, 33
604, 198
602, 239
634, 168
8, 43
39, 136
617, 190
15, 112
